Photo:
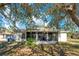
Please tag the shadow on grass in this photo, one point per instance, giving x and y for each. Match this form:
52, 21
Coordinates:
75, 41
53, 48
75, 46
50, 49
8, 49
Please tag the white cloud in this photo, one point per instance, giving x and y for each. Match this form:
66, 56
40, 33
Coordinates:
38, 22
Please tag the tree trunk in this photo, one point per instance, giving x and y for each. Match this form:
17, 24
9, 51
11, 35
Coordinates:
72, 10
74, 18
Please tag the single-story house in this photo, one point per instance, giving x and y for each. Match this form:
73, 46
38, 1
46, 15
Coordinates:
42, 36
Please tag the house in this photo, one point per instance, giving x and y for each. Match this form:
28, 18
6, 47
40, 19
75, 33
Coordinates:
41, 35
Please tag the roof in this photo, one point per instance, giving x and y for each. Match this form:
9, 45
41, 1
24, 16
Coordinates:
5, 32
64, 31
39, 30
33, 30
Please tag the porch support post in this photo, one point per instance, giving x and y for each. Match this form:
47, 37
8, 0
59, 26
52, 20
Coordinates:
20, 35
47, 36
25, 36
36, 36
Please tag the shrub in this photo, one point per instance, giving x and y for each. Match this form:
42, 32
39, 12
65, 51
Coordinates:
31, 42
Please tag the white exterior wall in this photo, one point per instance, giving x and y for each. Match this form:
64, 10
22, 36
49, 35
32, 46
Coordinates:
2, 38
62, 37
18, 36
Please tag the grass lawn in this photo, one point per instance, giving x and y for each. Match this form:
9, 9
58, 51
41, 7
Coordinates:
70, 48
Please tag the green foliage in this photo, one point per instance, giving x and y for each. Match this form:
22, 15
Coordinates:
56, 10
2, 46
70, 34
31, 42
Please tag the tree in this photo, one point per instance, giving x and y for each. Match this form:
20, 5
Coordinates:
70, 9
24, 11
